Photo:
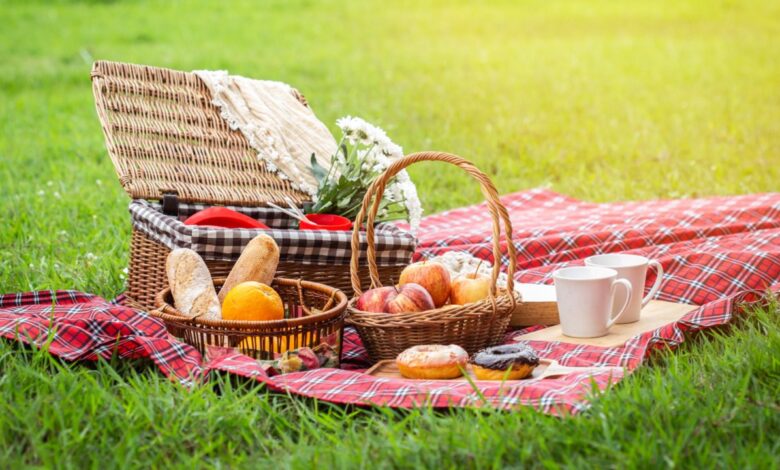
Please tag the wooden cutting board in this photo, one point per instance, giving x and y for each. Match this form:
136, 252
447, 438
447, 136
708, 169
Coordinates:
547, 368
656, 314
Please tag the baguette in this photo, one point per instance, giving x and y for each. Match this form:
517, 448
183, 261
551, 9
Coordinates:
258, 262
191, 285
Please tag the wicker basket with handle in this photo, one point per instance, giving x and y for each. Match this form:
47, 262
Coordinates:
166, 138
471, 326
314, 319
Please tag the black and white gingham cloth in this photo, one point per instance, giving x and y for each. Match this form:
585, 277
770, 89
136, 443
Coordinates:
394, 246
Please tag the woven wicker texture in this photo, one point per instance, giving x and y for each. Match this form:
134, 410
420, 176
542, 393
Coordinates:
472, 326
147, 275
317, 313
164, 135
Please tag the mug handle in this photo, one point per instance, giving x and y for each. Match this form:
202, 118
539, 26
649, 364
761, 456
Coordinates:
613, 291
658, 278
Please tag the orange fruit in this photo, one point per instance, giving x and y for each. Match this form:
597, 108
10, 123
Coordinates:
281, 345
252, 301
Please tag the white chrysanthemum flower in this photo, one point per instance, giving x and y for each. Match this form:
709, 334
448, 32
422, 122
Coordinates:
393, 193
392, 150
411, 200
309, 189
365, 156
358, 130
346, 124
403, 176
377, 135
363, 137
381, 163
347, 127
371, 153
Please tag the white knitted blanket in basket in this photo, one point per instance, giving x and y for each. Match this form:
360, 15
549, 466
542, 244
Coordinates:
282, 131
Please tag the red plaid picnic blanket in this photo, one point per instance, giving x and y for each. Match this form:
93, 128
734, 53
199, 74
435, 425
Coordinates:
716, 252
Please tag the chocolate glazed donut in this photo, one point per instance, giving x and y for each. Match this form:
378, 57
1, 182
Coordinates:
505, 362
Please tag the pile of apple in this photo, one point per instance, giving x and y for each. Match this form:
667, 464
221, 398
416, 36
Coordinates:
425, 285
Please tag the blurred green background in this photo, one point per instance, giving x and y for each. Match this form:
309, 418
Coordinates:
599, 100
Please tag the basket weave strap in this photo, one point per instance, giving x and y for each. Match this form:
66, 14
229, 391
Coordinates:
373, 198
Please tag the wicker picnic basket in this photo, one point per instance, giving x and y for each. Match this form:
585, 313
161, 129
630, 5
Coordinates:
471, 326
175, 155
315, 319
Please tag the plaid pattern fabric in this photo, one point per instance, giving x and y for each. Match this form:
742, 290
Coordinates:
84, 327
394, 246
718, 253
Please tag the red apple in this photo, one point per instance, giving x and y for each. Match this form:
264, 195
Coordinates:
470, 288
410, 298
433, 276
375, 300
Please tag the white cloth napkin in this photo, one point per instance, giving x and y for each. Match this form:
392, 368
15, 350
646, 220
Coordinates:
462, 262
282, 131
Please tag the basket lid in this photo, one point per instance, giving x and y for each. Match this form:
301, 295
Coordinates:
164, 136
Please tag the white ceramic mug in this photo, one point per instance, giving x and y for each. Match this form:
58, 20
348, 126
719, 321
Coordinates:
632, 268
585, 298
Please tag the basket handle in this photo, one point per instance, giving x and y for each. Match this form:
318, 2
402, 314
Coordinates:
497, 211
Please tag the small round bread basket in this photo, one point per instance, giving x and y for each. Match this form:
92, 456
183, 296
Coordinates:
314, 318
472, 326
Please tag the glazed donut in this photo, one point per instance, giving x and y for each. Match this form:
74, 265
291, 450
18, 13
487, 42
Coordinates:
432, 361
505, 362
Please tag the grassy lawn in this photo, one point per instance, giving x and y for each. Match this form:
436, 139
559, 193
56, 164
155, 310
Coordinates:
599, 100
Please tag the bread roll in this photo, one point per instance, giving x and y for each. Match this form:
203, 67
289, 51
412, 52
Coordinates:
257, 262
191, 285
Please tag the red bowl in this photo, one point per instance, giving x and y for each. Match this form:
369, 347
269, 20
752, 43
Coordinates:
222, 217
325, 222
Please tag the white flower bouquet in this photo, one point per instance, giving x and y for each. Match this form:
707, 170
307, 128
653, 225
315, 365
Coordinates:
364, 152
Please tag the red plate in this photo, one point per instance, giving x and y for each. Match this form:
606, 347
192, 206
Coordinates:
222, 217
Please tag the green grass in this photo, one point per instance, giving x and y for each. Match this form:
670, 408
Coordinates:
713, 403
599, 100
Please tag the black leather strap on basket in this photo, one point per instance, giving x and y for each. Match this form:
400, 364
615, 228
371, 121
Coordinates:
170, 204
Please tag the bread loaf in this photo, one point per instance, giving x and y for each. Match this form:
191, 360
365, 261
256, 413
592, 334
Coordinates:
257, 262
191, 285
